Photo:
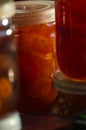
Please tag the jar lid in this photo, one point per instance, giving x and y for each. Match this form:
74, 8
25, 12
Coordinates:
69, 86
34, 12
11, 122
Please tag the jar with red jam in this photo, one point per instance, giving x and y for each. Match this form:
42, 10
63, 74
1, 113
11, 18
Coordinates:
71, 41
70, 79
35, 30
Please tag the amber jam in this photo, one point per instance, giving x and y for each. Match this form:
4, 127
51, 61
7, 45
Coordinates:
71, 43
36, 54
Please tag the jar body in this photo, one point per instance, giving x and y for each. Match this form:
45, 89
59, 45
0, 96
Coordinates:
9, 83
35, 30
37, 64
71, 47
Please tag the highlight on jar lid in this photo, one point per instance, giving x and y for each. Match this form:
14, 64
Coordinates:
34, 12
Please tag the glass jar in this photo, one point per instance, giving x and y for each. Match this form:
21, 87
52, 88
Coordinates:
70, 79
9, 81
71, 43
35, 30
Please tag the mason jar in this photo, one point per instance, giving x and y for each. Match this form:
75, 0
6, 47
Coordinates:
70, 79
35, 31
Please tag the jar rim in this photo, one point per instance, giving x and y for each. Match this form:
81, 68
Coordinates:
34, 12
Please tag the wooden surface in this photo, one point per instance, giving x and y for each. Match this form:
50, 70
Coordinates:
45, 123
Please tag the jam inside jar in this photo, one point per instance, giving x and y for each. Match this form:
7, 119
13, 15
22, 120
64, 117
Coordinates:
35, 29
71, 43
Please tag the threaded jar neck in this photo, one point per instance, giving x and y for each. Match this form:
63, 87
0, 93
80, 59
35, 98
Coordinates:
34, 12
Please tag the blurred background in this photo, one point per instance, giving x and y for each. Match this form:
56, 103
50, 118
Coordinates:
28, 0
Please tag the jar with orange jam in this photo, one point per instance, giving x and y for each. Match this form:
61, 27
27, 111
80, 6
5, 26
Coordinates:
35, 30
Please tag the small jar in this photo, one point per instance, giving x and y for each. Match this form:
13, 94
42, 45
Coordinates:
35, 30
9, 81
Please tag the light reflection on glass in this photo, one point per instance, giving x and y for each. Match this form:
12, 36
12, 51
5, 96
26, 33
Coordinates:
64, 15
5, 22
11, 75
9, 32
